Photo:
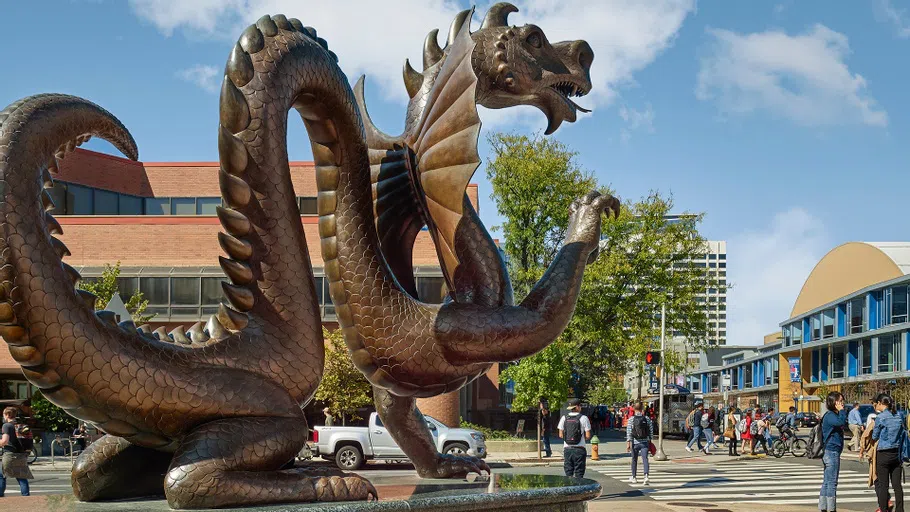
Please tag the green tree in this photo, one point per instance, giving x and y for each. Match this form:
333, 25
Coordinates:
343, 388
545, 374
645, 262
105, 287
51, 417
606, 392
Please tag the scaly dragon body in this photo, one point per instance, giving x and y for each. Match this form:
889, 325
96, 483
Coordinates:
210, 415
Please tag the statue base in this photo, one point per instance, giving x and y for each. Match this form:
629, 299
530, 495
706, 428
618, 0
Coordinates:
502, 492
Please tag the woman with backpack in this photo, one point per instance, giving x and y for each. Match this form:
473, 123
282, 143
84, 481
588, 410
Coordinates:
757, 432
832, 438
638, 440
888, 431
746, 430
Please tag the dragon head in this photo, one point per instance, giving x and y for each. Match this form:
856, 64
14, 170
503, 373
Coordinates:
519, 66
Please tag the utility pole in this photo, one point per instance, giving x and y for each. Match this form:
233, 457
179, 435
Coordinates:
660, 401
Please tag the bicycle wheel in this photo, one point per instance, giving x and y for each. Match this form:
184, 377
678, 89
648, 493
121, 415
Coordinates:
33, 455
778, 448
799, 447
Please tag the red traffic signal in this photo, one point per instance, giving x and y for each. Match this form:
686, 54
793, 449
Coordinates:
652, 358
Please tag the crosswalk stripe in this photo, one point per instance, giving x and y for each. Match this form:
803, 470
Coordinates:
707, 486
770, 495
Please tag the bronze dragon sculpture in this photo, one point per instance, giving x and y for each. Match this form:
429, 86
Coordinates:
211, 415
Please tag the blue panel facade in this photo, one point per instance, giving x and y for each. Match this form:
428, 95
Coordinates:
742, 377
841, 320
807, 331
873, 303
815, 365
823, 365
852, 358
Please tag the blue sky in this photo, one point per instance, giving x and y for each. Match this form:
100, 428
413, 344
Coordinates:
785, 122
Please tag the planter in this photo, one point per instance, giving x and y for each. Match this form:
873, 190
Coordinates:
498, 447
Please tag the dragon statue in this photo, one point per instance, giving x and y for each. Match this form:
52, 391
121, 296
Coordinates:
211, 415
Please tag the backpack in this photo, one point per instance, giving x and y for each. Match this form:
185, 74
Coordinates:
753, 429
705, 420
904, 443
572, 429
816, 447
741, 426
781, 421
690, 418
26, 440
640, 430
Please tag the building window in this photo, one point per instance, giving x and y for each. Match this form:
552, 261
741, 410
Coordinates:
775, 363
130, 205
889, 353
12, 389
855, 313
431, 290
127, 286
816, 331
898, 304
865, 357
838, 361
747, 376
785, 334
185, 291
157, 205
78, 200
155, 290
207, 205
308, 205
106, 202
828, 323
183, 206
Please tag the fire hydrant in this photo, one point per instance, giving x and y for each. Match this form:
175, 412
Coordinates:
595, 454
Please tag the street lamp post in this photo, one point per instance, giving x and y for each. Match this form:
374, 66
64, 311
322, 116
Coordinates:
660, 401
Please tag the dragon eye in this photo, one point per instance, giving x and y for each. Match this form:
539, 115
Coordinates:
535, 40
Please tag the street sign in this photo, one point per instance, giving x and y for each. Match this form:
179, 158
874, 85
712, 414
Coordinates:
670, 389
520, 428
725, 380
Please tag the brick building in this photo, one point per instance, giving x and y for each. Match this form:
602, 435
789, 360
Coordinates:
158, 220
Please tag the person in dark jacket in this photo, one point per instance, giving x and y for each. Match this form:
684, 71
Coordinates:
887, 431
833, 423
545, 428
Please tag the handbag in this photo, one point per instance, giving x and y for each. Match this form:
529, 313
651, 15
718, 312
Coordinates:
652, 449
729, 434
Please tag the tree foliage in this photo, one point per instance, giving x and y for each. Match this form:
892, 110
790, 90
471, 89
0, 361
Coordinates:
645, 262
545, 374
606, 392
343, 388
51, 417
105, 287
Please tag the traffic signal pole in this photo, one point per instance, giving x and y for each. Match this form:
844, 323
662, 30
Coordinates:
660, 401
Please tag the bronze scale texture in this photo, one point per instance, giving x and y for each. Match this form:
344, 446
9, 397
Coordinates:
209, 415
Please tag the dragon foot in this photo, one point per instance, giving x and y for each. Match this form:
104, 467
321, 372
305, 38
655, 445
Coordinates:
234, 462
449, 466
112, 468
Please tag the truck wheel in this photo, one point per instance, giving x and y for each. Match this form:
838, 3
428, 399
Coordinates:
457, 449
348, 458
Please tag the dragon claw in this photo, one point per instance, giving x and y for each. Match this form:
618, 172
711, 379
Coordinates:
449, 466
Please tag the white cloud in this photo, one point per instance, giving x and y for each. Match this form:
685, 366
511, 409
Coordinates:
636, 120
208, 78
375, 37
886, 12
767, 269
803, 78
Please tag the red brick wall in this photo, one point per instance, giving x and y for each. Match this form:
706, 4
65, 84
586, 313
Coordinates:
443, 407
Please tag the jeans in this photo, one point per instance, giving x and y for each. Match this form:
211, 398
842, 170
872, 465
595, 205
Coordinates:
545, 439
827, 497
23, 486
574, 461
640, 447
888, 465
696, 438
759, 438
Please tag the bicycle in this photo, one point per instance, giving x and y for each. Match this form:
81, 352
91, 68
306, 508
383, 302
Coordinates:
788, 442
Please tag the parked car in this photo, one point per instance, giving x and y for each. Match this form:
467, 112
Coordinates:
806, 419
350, 447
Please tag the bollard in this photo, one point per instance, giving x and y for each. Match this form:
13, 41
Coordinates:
595, 454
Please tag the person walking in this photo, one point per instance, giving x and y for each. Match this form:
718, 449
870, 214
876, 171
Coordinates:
638, 440
574, 428
855, 423
693, 423
545, 429
888, 466
746, 425
731, 431
833, 422
758, 430
329, 420
14, 463
713, 424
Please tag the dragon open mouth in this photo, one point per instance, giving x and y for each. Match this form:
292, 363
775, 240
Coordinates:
568, 90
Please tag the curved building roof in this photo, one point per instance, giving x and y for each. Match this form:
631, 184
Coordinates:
851, 267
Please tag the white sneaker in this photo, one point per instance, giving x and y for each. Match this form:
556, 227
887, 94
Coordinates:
707, 452
688, 449
647, 480
633, 480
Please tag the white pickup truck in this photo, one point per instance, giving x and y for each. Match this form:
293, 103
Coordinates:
351, 446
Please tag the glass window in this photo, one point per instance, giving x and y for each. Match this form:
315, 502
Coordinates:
58, 195
319, 290
431, 290
838, 361
211, 290
865, 357
785, 334
326, 296
207, 205
712, 256
796, 333
127, 286
184, 290
130, 205
855, 313
157, 206
722, 264
776, 365
155, 290
828, 323
106, 202
816, 331
747, 376
183, 206
78, 200
889, 353
898, 304
308, 206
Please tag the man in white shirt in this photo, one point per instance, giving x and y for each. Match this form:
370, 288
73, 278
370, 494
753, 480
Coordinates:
574, 429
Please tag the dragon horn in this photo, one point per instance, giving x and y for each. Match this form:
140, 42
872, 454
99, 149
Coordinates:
412, 79
431, 50
498, 15
457, 23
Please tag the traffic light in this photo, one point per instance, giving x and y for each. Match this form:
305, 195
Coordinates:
652, 358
